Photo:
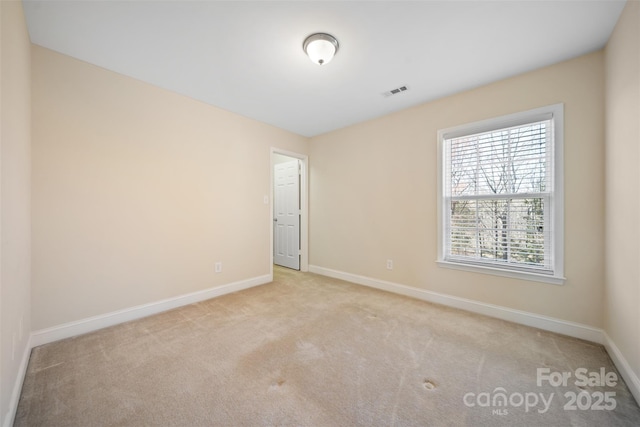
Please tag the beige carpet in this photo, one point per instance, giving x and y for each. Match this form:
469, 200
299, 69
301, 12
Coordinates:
307, 350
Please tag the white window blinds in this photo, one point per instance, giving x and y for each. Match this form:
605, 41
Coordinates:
498, 197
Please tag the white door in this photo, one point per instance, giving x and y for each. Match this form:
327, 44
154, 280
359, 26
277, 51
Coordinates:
286, 218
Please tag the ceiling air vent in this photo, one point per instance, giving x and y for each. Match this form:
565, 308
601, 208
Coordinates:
395, 91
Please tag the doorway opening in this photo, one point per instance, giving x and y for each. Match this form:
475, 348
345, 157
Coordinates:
289, 213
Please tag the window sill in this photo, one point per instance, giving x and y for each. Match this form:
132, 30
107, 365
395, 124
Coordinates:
524, 275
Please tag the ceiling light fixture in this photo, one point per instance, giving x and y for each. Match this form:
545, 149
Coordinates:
320, 47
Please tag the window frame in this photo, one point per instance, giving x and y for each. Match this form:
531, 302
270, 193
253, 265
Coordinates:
556, 114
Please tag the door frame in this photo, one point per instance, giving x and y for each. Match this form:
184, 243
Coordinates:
304, 206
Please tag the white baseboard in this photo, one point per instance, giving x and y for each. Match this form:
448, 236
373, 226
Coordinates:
71, 329
17, 387
628, 375
564, 327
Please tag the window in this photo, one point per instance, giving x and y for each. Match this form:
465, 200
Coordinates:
500, 196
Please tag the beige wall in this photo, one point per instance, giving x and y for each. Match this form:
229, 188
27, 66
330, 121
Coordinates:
15, 226
622, 309
137, 191
373, 189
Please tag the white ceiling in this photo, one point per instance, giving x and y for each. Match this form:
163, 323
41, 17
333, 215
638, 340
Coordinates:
247, 57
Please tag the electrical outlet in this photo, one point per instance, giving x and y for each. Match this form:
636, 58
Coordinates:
218, 267
389, 264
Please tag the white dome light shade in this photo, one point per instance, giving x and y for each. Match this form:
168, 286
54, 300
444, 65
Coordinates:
320, 47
